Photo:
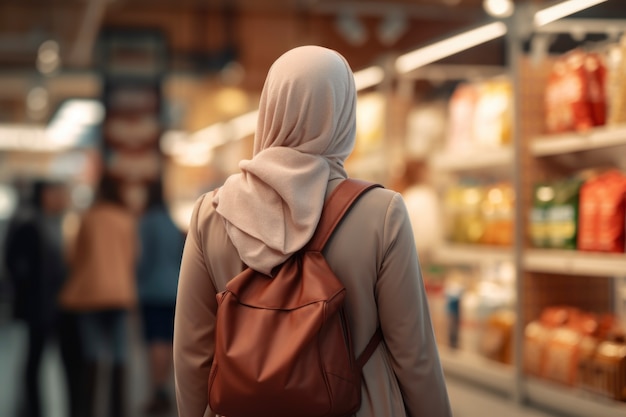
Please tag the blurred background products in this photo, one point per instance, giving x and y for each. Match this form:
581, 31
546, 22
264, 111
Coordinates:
481, 214
586, 212
554, 217
577, 348
480, 115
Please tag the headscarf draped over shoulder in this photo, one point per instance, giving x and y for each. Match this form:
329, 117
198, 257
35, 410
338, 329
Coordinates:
305, 131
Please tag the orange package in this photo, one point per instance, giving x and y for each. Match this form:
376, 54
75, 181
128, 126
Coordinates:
603, 213
568, 346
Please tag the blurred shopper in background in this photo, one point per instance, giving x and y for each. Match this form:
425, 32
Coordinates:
102, 289
36, 261
161, 250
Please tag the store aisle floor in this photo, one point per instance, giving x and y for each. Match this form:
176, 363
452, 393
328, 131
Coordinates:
471, 401
467, 401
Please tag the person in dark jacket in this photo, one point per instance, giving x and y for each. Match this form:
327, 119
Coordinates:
35, 260
159, 264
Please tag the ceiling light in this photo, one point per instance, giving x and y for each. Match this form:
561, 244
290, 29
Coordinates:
8, 201
74, 121
442, 49
392, 27
48, 59
368, 77
244, 125
499, 8
560, 10
81, 111
351, 28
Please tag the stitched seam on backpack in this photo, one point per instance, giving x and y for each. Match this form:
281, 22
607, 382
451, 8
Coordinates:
343, 378
321, 300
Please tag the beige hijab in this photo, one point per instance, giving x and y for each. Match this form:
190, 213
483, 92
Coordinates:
305, 131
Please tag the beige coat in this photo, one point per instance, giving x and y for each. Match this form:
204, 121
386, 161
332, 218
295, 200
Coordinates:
373, 253
103, 263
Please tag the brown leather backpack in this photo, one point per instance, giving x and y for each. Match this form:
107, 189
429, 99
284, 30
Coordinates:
283, 346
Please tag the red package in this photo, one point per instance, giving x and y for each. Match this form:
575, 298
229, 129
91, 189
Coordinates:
575, 95
588, 210
576, 91
602, 213
596, 87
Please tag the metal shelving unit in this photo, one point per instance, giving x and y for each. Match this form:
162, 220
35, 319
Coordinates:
473, 159
574, 402
573, 149
451, 254
571, 262
512, 162
598, 138
477, 369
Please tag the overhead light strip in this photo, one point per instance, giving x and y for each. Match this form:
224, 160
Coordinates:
450, 46
563, 9
368, 77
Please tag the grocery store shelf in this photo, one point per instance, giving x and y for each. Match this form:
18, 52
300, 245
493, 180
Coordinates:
473, 159
451, 254
575, 262
573, 402
479, 370
597, 138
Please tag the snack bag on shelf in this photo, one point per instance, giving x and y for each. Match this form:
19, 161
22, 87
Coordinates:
561, 356
616, 84
609, 368
596, 83
497, 341
466, 224
603, 213
426, 128
586, 371
565, 94
461, 117
575, 98
497, 212
537, 334
543, 197
492, 117
589, 215
587, 378
472, 222
564, 349
562, 214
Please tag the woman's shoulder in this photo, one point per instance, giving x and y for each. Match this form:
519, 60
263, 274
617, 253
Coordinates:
380, 199
203, 213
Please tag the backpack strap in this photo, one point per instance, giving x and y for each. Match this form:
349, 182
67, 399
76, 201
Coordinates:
370, 348
335, 208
